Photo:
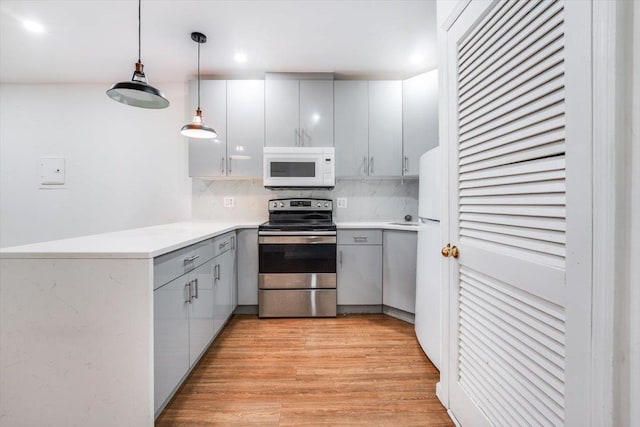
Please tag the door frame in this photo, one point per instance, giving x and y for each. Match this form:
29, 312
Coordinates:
614, 207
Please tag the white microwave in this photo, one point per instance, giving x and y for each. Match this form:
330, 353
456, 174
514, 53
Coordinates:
299, 167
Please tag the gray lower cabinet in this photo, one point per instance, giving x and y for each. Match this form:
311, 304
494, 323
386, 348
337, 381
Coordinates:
170, 339
359, 267
399, 269
183, 312
248, 267
224, 285
190, 308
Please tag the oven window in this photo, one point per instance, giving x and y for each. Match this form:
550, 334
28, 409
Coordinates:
297, 258
293, 169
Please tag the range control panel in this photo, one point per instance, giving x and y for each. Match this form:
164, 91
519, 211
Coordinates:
300, 205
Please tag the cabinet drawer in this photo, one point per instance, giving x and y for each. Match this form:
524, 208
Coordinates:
174, 264
224, 243
360, 237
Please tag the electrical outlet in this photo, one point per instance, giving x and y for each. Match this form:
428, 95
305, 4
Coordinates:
229, 202
342, 202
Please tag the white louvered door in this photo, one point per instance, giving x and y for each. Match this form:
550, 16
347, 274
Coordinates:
519, 153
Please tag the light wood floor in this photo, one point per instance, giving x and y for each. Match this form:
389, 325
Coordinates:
359, 370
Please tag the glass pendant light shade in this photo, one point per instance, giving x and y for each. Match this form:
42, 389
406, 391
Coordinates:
197, 128
138, 92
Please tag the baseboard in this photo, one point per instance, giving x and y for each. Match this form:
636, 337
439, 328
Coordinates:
360, 309
399, 314
246, 309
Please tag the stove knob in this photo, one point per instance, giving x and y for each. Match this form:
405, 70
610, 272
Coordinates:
326, 204
282, 204
274, 204
319, 204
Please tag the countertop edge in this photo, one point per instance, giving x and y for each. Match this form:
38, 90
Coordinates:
27, 253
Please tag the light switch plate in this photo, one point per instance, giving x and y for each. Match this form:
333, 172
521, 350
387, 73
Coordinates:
52, 171
229, 202
342, 202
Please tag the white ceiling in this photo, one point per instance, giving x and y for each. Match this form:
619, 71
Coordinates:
96, 40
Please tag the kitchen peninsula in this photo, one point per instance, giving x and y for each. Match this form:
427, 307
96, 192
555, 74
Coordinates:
77, 321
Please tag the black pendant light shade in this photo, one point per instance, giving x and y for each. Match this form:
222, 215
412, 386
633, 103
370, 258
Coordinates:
197, 128
138, 92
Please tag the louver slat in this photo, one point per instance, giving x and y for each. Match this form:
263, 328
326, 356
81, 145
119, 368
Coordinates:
511, 202
511, 39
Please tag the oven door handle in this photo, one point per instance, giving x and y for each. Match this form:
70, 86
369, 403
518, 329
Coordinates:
297, 233
296, 239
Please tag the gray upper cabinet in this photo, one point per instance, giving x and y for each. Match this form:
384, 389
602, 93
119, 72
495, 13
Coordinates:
351, 100
420, 119
207, 157
385, 128
298, 112
316, 113
235, 109
282, 102
245, 126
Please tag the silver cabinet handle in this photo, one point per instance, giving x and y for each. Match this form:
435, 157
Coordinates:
195, 281
296, 137
233, 243
191, 259
223, 245
229, 166
371, 166
302, 135
360, 239
187, 291
405, 167
216, 272
365, 167
340, 258
222, 165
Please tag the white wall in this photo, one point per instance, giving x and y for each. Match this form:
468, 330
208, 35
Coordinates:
125, 167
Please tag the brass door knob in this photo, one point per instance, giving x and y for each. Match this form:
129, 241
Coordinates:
455, 252
446, 251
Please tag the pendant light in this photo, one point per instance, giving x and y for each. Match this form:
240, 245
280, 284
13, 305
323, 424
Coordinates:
138, 92
197, 128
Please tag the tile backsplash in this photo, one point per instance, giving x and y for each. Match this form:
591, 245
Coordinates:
367, 199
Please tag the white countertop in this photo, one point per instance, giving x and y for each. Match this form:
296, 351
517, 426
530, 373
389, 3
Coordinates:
146, 242
150, 242
385, 225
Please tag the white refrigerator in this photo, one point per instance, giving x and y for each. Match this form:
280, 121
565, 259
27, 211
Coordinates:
427, 315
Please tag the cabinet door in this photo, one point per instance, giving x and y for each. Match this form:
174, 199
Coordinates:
170, 338
200, 310
245, 123
248, 267
359, 274
419, 119
282, 108
385, 128
399, 269
207, 157
223, 288
316, 113
351, 100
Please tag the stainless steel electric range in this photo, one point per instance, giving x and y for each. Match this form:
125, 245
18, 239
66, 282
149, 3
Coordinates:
297, 253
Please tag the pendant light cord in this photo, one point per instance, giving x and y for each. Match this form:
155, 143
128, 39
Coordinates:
139, 25
199, 75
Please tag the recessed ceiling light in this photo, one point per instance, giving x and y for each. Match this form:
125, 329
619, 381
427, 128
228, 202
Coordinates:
33, 26
240, 57
416, 59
